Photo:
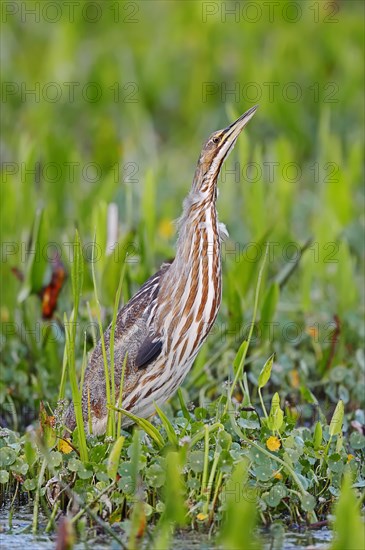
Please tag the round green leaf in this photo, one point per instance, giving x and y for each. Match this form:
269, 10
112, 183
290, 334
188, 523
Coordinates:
224, 439
55, 459
30, 484
7, 456
277, 492
263, 473
83, 472
225, 462
126, 469
337, 374
357, 440
19, 467
335, 463
74, 464
126, 485
155, 475
196, 461
193, 483
308, 502
4, 476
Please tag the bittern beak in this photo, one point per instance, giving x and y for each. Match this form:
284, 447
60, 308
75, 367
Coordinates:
233, 130
221, 143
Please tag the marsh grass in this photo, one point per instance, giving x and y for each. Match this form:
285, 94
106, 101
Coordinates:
140, 156
77, 275
213, 439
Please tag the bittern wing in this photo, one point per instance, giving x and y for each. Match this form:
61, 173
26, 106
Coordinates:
135, 336
148, 352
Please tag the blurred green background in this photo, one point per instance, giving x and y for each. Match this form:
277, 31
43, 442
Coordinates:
109, 102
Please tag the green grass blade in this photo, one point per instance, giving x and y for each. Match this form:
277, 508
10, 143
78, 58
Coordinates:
170, 431
110, 423
145, 425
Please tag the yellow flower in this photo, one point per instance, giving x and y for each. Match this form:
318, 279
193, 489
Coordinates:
166, 228
201, 517
273, 443
64, 447
278, 475
313, 332
4, 314
350, 457
294, 378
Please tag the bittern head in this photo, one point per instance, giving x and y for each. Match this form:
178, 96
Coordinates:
217, 147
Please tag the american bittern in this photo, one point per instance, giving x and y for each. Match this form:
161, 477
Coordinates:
162, 328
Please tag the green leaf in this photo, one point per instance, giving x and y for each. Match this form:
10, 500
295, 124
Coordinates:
263, 472
357, 440
224, 440
307, 395
74, 464
7, 456
308, 502
174, 491
225, 462
83, 472
183, 405
317, 436
115, 265
98, 453
30, 484
240, 355
277, 492
268, 309
241, 510
348, 525
265, 373
20, 467
335, 463
155, 475
337, 419
148, 209
47, 427
36, 262
77, 271
171, 435
196, 461
54, 459
134, 453
126, 485
126, 468
276, 415
30, 453
113, 460
145, 425
4, 476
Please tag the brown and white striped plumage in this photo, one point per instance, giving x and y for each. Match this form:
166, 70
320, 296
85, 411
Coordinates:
162, 328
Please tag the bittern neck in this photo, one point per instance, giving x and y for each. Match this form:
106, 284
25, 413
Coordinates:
194, 279
198, 226
205, 182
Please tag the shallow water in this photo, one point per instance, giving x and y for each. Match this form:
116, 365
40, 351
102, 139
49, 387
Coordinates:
21, 538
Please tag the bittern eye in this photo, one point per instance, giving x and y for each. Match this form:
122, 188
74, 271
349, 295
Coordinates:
215, 140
